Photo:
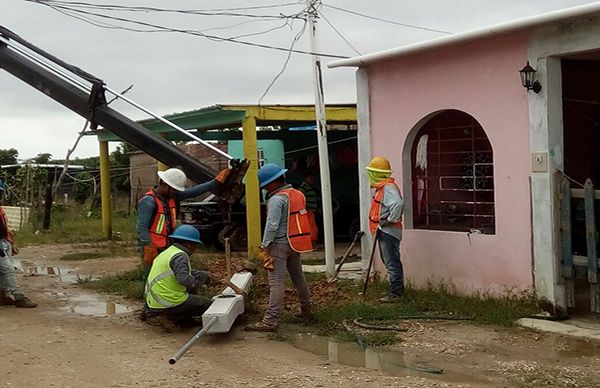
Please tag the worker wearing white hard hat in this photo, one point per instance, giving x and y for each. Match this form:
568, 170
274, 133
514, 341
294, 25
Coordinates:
157, 210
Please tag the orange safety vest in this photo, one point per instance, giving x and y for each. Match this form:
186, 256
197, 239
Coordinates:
159, 230
299, 232
8, 236
375, 211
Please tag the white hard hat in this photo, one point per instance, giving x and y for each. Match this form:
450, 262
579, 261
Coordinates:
173, 177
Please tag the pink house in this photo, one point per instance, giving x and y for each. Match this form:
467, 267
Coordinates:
480, 158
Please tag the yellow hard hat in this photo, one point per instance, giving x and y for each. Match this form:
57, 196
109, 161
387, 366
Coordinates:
379, 164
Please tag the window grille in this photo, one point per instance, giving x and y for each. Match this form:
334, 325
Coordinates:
453, 189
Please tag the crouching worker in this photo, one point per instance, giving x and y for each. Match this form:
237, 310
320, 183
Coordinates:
287, 234
172, 284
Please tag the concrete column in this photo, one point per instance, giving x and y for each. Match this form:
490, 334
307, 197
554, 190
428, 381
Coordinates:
252, 189
546, 126
364, 157
105, 190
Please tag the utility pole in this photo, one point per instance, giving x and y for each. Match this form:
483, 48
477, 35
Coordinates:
313, 5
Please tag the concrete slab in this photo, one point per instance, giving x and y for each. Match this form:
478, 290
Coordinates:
561, 328
349, 270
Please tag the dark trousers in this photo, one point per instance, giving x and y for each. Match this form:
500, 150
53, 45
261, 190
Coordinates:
389, 249
183, 315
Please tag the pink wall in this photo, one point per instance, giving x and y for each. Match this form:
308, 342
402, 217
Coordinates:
481, 79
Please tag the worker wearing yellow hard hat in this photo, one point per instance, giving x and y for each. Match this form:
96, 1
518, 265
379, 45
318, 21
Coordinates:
385, 222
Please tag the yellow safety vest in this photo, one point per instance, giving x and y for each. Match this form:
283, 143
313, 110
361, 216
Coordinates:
162, 288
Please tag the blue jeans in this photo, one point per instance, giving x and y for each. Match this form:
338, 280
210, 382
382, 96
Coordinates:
389, 249
8, 284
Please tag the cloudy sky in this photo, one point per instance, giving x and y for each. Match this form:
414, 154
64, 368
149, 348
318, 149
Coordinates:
175, 72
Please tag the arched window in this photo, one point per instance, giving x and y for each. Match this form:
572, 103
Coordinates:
453, 175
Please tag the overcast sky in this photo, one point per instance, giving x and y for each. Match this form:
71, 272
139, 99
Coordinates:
174, 72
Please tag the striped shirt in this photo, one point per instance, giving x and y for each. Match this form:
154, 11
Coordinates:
310, 193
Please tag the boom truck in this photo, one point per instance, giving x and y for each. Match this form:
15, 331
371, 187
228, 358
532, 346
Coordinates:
85, 95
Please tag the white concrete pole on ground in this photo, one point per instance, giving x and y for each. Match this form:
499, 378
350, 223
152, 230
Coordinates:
322, 142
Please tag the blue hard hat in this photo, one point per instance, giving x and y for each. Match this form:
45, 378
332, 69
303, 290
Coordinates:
268, 173
187, 233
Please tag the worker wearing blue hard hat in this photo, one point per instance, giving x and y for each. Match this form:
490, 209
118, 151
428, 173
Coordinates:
172, 286
10, 293
286, 236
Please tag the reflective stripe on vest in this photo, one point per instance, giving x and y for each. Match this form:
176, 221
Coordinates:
162, 288
298, 232
375, 210
159, 229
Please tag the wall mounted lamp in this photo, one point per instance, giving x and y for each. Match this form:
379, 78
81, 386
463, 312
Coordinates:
527, 78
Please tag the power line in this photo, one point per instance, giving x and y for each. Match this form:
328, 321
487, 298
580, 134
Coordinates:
339, 33
145, 9
285, 63
388, 21
183, 31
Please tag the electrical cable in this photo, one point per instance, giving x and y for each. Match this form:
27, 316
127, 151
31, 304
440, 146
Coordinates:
113, 7
387, 21
177, 30
320, 13
285, 63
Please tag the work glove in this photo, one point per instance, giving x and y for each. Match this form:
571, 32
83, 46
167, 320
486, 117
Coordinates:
150, 252
222, 175
267, 259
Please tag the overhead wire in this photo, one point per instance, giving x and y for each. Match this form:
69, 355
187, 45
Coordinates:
145, 9
49, 4
388, 21
285, 63
320, 13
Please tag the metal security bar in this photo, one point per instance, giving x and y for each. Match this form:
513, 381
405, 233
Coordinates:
456, 190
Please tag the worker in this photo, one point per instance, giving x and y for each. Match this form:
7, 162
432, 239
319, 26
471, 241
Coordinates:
312, 204
172, 286
385, 223
286, 236
10, 293
157, 211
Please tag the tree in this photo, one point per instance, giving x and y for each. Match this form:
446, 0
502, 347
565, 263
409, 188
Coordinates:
8, 156
43, 158
119, 162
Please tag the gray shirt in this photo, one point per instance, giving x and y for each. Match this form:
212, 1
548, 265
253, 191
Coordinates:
277, 218
392, 207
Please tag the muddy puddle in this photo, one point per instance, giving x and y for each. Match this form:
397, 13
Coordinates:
64, 275
90, 304
392, 363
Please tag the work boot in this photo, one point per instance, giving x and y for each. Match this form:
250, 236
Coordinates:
164, 322
260, 326
24, 302
305, 315
6, 300
391, 298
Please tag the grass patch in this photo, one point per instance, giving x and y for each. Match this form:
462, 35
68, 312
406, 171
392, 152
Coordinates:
70, 224
321, 261
79, 256
429, 302
128, 284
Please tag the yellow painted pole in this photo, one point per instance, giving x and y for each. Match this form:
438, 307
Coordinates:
160, 165
105, 190
252, 190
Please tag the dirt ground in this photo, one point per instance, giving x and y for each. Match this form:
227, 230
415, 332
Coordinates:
76, 338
